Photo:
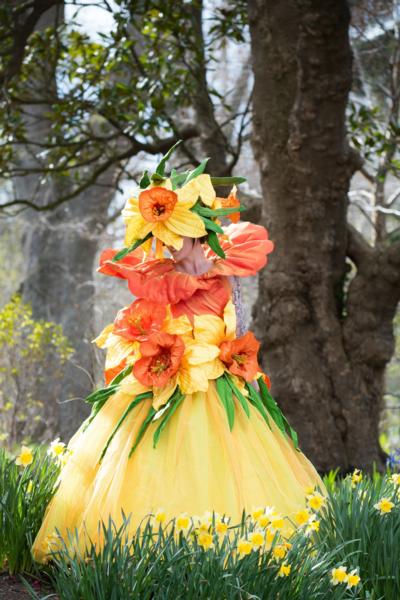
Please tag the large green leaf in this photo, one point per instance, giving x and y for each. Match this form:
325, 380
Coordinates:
256, 401
242, 399
218, 212
160, 169
175, 401
225, 395
137, 400
227, 180
213, 242
276, 413
122, 253
143, 429
197, 171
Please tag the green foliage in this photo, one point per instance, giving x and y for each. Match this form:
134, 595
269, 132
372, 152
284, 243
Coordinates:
24, 494
157, 563
29, 348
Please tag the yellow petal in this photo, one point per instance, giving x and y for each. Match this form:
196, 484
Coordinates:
199, 186
131, 208
184, 222
197, 353
167, 236
209, 329
193, 379
179, 326
136, 229
118, 349
213, 369
230, 320
101, 339
130, 385
161, 395
240, 384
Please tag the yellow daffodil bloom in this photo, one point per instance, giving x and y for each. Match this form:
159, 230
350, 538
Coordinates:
284, 570
56, 448
277, 522
356, 477
166, 214
205, 540
279, 551
160, 516
316, 501
302, 516
339, 575
384, 506
25, 457
221, 527
313, 525
182, 522
353, 579
244, 547
257, 538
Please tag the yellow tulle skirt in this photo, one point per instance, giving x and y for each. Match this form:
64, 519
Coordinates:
198, 465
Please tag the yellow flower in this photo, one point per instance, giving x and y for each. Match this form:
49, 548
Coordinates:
356, 477
56, 448
205, 540
284, 570
277, 522
160, 516
221, 527
313, 525
353, 579
395, 478
257, 512
244, 547
50, 543
166, 213
316, 501
270, 533
309, 489
25, 457
279, 551
29, 487
384, 506
183, 522
302, 516
339, 575
257, 538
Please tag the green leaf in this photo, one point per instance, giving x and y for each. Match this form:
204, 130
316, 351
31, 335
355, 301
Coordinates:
228, 180
145, 180
197, 171
218, 212
122, 253
177, 179
137, 400
213, 242
256, 401
143, 429
211, 226
175, 400
118, 378
160, 169
276, 413
242, 399
225, 395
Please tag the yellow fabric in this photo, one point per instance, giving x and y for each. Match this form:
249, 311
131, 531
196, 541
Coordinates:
198, 465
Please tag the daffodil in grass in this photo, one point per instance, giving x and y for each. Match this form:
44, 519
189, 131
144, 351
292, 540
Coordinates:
160, 516
56, 448
244, 547
384, 506
339, 575
356, 477
395, 479
183, 522
353, 579
284, 570
25, 457
166, 213
316, 501
205, 540
302, 516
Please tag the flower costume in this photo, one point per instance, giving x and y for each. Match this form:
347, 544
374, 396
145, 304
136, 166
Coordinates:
186, 420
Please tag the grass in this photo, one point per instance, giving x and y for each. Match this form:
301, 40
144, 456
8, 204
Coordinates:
164, 563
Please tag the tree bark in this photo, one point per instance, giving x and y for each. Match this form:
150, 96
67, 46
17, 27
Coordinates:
325, 347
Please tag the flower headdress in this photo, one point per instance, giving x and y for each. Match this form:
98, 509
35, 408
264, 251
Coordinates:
170, 207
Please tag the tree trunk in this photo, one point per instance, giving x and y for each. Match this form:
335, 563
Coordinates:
59, 249
325, 349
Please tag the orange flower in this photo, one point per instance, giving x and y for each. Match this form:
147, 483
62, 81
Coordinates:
161, 357
157, 204
232, 202
140, 319
240, 356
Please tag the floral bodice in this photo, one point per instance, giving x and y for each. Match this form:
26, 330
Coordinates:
246, 247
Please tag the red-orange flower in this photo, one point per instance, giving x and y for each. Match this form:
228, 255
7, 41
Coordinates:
161, 356
157, 204
109, 374
140, 319
240, 356
232, 202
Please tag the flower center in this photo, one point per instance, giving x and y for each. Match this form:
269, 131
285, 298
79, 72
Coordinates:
137, 323
160, 364
240, 359
158, 209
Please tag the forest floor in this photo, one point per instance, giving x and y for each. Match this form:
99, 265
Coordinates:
12, 588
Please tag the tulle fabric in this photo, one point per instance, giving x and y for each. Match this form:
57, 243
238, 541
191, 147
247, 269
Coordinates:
198, 465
